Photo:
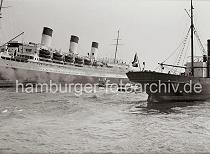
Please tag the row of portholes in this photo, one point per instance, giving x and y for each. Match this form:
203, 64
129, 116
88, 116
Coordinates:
56, 66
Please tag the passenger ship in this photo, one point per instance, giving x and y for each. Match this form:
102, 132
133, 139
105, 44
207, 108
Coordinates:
40, 63
32, 63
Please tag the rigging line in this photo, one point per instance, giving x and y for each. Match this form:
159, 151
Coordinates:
12, 39
156, 67
184, 57
199, 41
181, 52
177, 57
200, 47
196, 32
188, 44
173, 52
185, 41
183, 45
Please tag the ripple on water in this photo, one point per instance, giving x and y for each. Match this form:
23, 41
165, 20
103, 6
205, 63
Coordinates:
101, 122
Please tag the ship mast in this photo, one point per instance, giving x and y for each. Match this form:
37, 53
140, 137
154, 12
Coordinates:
1, 8
117, 44
192, 41
1, 5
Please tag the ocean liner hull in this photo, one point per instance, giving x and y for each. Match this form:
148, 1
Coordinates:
32, 72
162, 87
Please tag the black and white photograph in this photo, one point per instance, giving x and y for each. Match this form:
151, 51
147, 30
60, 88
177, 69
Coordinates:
104, 76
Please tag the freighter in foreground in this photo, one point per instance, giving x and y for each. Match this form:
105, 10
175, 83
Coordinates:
29, 62
166, 87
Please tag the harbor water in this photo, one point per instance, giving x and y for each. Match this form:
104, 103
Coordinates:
100, 122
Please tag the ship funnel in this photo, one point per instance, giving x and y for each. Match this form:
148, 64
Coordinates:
208, 61
94, 50
208, 47
73, 44
46, 37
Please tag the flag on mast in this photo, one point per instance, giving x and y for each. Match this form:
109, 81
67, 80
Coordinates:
135, 62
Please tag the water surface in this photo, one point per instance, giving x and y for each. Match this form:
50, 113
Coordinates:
100, 122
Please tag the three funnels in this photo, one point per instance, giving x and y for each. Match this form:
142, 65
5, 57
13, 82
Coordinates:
94, 50
46, 41
46, 37
73, 44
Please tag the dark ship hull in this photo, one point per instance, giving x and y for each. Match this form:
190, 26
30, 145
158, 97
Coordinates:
162, 87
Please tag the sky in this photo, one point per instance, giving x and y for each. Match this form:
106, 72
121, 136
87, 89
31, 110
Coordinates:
152, 28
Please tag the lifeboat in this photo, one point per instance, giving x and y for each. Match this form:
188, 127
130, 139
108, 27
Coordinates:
69, 58
44, 54
79, 60
95, 63
57, 56
87, 61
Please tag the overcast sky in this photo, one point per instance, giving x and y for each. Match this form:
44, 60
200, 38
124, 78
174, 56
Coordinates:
152, 28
